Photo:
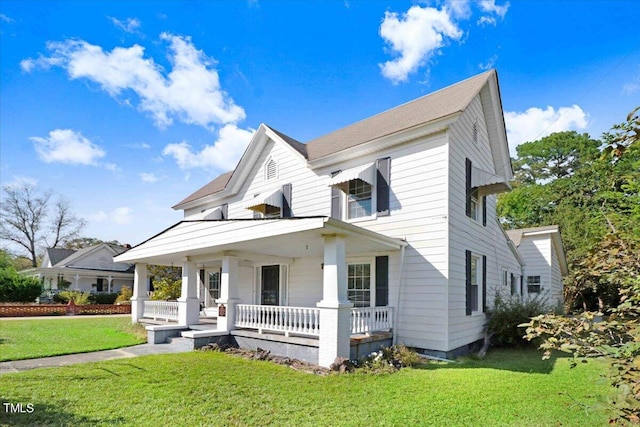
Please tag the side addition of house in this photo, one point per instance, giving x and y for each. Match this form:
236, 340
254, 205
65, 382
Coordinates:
383, 231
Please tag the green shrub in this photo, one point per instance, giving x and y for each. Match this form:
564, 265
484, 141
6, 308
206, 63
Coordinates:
103, 298
78, 297
166, 289
509, 312
15, 287
124, 297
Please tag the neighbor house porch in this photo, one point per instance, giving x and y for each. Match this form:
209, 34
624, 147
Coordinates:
280, 282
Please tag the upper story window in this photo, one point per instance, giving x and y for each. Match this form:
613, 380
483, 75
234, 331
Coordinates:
358, 199
271, 170
363, 191
472, 196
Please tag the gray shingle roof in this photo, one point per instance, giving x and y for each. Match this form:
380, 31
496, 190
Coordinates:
442, 103
436, 105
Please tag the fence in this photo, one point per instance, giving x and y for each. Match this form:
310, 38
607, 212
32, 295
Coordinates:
23, 310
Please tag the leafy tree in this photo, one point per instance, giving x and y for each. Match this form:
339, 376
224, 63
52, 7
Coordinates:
612, 268
555, 156
85, 242
30, 220
166, 289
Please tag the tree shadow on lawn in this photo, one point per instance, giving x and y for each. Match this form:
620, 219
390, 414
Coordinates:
514, 360
28, 413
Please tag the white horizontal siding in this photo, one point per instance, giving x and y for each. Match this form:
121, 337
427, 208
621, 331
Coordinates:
467, 234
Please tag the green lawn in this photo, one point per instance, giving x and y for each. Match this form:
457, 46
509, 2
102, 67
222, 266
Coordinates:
28, 339
508, 388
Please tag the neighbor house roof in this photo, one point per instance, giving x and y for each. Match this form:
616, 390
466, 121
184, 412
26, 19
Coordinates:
58, 254
517, 234
437, 105
553, 231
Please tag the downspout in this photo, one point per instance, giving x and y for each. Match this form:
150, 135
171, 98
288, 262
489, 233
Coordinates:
395, 317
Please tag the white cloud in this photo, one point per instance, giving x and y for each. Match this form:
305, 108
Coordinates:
129, 25
490, 6
630, 88
120, 216
5, 18
67, 146
487, 20
222, 155
491, 62
190, 92
416, 36
459, 8
536, 123
148, 177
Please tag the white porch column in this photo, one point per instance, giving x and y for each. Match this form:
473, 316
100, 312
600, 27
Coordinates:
77, 280
228, 293
335, 308
139, 292
109, 280
188, 303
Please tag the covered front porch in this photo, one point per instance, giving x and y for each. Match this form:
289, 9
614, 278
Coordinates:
281, 280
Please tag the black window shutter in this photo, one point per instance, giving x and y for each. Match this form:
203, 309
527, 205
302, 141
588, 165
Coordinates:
468, 187
224, 209
382, 281
484, 210
336, 198
286, 201
202, 279
383, 185
467, 265
484, 283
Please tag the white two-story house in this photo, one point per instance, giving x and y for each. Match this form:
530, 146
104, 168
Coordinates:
387, 225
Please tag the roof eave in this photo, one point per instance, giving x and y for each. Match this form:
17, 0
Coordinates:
386, 141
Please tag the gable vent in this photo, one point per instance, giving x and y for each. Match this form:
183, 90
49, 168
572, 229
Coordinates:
271, 169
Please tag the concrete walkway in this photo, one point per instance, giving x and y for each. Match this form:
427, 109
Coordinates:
177, 345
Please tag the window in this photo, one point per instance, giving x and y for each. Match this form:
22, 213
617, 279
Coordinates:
358, 199
472, 196
505, 277
533, 284
271, 211
359, 284
475, 282
514, 284
214, 285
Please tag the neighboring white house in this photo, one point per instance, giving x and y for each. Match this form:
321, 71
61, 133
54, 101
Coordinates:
386, 224
546, 263
90, 269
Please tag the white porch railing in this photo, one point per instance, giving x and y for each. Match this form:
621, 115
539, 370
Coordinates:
290, 320
161, 310
369, 319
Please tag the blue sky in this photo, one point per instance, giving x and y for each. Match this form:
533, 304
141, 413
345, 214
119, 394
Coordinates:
125, 108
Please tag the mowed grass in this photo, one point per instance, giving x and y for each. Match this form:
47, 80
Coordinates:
507, 388
28, 339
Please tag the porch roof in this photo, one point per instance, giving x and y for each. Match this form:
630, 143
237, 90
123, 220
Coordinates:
297, 237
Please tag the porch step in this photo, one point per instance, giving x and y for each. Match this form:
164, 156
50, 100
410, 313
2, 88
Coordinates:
193, 334
204, 327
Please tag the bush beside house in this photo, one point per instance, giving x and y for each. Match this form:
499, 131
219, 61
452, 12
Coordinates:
15, 287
